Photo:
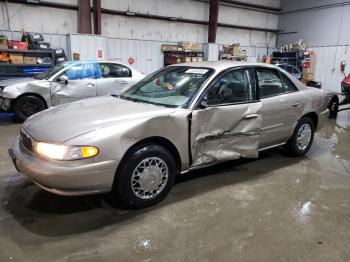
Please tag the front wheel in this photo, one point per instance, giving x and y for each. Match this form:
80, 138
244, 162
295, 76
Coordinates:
27, 106
302, 138
145, 178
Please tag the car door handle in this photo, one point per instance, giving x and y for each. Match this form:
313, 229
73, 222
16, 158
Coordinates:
90, 84
296, 105
123, 82
251, 116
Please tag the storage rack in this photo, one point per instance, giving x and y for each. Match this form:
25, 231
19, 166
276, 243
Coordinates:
292, 58
18, 70
180, 54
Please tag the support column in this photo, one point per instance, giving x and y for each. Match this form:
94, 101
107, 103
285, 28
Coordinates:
97, 17
213, 20
84, 26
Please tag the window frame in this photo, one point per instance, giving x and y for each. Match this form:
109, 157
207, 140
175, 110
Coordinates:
219, 77
279, 73
111, 64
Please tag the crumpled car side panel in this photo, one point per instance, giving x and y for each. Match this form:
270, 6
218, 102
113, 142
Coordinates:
222, 133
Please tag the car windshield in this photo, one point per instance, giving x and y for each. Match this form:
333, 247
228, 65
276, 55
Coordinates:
50, 72
173, 86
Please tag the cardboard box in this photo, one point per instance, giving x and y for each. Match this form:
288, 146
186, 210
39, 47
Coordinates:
3, 42
194, 59
233, 50
16, 58
184, 44
308, 76
186, 59
29, 60
196, 47
236, 49
165, 48
200, 59
188, 46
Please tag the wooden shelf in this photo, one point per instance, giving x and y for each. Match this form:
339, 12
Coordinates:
26, 65
26, 51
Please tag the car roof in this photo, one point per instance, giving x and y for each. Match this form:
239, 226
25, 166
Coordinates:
77, 62
222, 65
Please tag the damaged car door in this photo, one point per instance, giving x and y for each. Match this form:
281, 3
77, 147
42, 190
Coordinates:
75, 83
227, 122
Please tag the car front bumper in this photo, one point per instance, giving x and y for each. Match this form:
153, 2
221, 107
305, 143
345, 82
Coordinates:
64, 179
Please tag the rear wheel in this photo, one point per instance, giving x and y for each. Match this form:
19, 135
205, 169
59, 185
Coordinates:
333, 107
302, 138
27, 106
145, 178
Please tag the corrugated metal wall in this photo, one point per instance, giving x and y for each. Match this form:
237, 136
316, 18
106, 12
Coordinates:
328, 59
146, 54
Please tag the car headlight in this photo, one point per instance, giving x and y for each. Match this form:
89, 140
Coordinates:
63, 152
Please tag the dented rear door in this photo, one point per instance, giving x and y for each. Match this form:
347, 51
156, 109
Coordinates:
229, 126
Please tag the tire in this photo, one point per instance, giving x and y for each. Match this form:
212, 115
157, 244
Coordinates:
27, 106
128, 186
293, 148
333, 107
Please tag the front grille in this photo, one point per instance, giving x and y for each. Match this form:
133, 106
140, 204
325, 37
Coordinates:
26, 141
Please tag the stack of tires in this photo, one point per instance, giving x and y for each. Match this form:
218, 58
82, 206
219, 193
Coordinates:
59, 55
36, 41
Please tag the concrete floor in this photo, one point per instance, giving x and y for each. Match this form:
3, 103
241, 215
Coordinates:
272, 209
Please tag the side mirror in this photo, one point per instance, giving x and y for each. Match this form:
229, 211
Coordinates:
203, 104
62, 79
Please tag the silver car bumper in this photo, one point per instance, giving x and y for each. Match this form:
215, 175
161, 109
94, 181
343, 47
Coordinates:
63, 179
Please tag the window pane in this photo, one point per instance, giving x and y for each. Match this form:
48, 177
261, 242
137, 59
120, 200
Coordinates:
174, 86
83, 71
114, 70
289, 69
233, 87
288, 84
269, 83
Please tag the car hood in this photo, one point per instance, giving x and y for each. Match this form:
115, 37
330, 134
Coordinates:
61, 123
16, 81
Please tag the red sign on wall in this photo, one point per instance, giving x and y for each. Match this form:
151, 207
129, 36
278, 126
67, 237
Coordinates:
99, 53
131, 60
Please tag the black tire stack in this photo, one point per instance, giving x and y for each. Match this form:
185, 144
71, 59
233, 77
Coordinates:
36, 41
59, 55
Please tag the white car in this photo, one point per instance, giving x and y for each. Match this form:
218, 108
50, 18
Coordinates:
65, 83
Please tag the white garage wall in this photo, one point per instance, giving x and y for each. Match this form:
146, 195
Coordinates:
58, 21
39, 19
328, 66
146, 54
140, 38
322, 24
146, 29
